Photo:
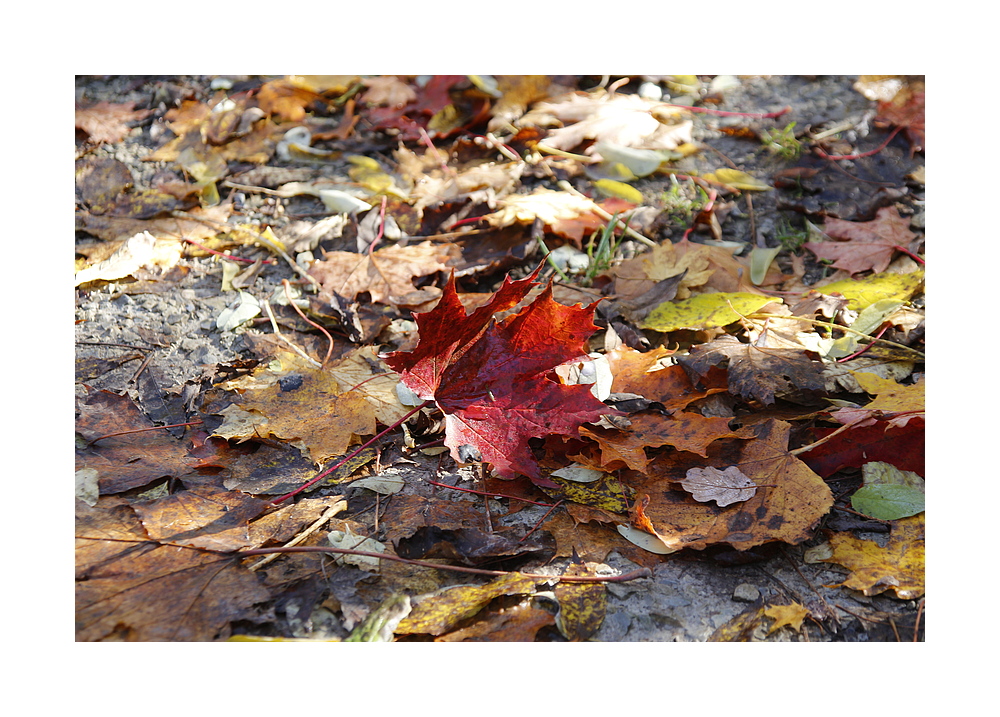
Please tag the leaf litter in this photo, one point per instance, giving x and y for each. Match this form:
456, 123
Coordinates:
727, 418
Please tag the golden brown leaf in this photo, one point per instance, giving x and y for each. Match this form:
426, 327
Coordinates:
899, 566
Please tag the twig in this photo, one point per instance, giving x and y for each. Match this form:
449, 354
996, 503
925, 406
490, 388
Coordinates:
327, 514
541, 520
350, 455
288, 296
867, 346
277, 332
566, 186
838, 327
824, 155
489, 493
259, 237
724, 113
143, 430
625, 577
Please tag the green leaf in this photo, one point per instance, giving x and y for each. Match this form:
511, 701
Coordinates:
888, 502
704, 311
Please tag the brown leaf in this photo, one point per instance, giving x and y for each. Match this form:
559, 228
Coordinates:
786, 512
386, 274
131, 589
867, 245
106, 122
725, 487
127, 461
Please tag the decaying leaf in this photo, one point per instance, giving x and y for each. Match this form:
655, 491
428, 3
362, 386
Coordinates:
899, 566
441, 613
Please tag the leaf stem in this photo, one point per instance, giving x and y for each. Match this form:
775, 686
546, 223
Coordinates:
349, 456
625, 577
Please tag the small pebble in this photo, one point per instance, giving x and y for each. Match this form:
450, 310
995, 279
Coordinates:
745, 592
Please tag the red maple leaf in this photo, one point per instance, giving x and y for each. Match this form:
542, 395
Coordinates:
493, 380
869, 245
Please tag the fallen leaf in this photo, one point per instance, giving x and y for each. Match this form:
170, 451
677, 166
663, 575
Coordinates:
786, 511
491, 379
129, 588
626, 120
899, 566
867, 245
582, 606
725, 487
787, 615
386, 274
107, 122
441, 613
704, 311
757, 372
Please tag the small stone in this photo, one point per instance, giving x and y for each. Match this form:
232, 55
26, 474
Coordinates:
745, 592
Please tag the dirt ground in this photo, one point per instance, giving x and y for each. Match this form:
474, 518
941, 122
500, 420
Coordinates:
687, 597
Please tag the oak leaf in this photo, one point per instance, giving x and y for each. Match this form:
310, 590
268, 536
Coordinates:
492, 379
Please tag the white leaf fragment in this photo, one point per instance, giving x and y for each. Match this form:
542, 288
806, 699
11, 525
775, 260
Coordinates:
724, 487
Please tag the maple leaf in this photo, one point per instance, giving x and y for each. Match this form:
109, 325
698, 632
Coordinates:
490, 378
871, 244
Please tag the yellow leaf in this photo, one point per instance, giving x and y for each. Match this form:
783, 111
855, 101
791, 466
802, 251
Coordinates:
611, 188
704, 311
899, 566
442, 612
790, 615
862, 293
738, 179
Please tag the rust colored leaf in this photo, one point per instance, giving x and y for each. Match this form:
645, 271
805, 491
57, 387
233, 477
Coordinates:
129, 588
491, 380
203, 517
786, 512
866, 245
285, 100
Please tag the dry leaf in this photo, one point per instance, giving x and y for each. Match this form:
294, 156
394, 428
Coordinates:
724, 487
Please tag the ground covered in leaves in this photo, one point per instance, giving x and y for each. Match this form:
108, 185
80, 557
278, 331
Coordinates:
513, 358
